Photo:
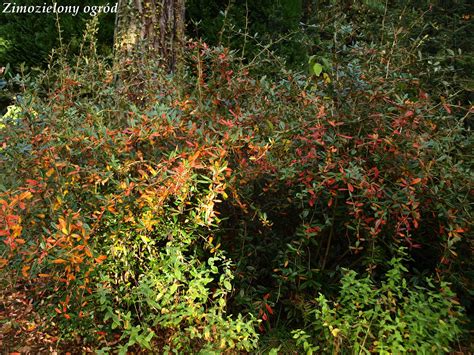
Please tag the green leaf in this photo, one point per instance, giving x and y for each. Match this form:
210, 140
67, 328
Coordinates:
317, 69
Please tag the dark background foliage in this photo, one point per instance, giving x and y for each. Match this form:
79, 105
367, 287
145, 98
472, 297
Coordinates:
30, 38
290, 30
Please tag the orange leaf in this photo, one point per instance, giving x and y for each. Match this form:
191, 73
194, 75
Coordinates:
25, 195
58, 261
415, 181
24, 270
62, 226
100, 259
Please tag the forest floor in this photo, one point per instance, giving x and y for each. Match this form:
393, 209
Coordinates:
21, 327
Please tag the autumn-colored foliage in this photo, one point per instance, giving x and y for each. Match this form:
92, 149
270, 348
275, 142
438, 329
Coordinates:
158, 212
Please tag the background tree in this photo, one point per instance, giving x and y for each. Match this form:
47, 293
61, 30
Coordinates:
151, 27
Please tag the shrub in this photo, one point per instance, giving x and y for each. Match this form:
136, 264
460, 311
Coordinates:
392, 317
112, 226
160, 209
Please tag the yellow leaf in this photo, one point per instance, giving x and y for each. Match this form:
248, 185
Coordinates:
57, 204
25, 195
16, 232
327, 78
76, 236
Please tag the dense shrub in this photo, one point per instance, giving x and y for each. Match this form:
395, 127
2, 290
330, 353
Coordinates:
109, 214
391, 318
144, 210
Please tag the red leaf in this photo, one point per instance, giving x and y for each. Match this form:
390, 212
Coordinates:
344, 136
447, 108
269, 309
330, 202
334, 123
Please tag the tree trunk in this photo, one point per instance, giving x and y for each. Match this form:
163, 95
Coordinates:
310, 8
153, 29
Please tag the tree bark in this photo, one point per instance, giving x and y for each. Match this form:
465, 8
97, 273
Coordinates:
151, 28
310, 8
